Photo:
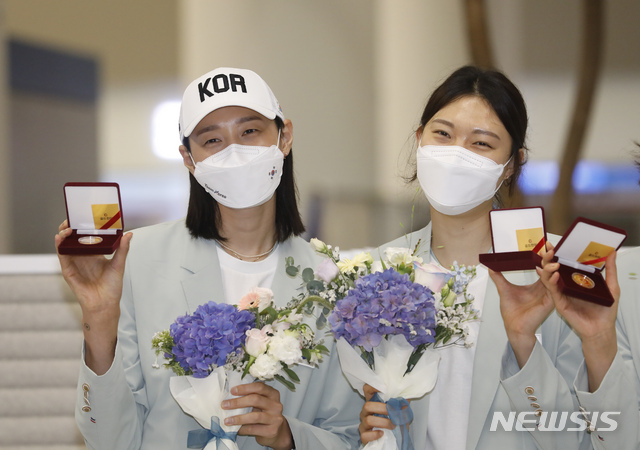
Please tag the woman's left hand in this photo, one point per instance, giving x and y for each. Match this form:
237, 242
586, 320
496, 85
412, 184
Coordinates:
265, 421
595, 324
523, 310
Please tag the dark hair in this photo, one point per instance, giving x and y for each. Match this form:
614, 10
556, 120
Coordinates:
203, 213
503, 96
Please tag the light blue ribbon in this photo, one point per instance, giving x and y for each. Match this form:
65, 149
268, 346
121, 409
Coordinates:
200, 438
400, 417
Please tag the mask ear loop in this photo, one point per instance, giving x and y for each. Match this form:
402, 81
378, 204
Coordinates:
190, 156
503, 167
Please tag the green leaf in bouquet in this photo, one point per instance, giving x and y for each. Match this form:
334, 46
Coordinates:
289, 261
176, 368
294, 376
322, 349
415, 357
252, 359
270, 312
314, 286
308, 309
286, 382
367, 357
321, 321
292, 271
307, 274
306, 354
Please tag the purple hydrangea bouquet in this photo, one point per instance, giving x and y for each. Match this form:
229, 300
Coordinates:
218, 345
389, 317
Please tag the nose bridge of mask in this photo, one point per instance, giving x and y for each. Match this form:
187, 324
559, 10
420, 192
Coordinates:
454, 154
235, 155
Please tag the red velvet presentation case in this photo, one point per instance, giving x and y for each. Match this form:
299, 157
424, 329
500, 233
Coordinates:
518, 235
581, 253
94, 212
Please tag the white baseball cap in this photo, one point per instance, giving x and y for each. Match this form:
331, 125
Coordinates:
226, 86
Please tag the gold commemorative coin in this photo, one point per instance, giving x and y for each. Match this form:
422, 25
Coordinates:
90, 240
582, 280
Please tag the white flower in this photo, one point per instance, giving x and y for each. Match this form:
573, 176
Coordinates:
264, 367
376, 266
307, 333
257, 341
280, 325
327, 271
315, 358
285, 348
293, 318
399, 255
292, 333
361, 259
347, 265
318, 245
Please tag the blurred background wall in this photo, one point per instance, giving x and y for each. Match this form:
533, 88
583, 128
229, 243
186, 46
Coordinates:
352, 75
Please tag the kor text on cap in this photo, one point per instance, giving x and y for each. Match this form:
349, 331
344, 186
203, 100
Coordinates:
221, 83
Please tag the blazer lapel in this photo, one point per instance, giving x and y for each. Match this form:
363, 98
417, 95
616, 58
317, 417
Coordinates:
202, 281
487, 364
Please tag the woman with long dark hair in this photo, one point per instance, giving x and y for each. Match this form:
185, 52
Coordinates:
242, 222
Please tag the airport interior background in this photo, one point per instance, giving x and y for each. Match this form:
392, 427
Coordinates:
90, 92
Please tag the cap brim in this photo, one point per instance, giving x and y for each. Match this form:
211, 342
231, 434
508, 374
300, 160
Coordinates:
269, 114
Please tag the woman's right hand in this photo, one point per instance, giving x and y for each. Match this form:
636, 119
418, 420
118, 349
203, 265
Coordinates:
96, 282
368, 420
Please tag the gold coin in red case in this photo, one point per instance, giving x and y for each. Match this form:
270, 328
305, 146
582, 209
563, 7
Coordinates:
582, 280
90, 240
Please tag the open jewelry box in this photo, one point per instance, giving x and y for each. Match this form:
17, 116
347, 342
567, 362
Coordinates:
582, 252
94, 212
518, 235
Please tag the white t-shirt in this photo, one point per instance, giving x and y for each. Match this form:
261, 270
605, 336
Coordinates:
450, 400
239, 277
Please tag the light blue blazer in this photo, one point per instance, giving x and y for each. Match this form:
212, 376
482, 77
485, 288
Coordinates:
168, 274
620, 390
499, 385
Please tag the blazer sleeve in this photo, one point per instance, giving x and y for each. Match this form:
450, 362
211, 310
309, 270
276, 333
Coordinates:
111, 408
543, 388
613, 408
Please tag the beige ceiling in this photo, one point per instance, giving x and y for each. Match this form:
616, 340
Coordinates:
133, 40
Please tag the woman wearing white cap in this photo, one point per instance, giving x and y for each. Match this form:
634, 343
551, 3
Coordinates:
471, 141
242, 221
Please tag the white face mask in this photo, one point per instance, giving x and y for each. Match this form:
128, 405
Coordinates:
456, 180
241, 176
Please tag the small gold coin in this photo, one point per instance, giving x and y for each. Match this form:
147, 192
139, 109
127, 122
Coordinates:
90, 240
582, 280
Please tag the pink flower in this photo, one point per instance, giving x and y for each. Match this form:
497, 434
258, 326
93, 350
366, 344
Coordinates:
431, 276
327, 270
256, 298
256, 341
